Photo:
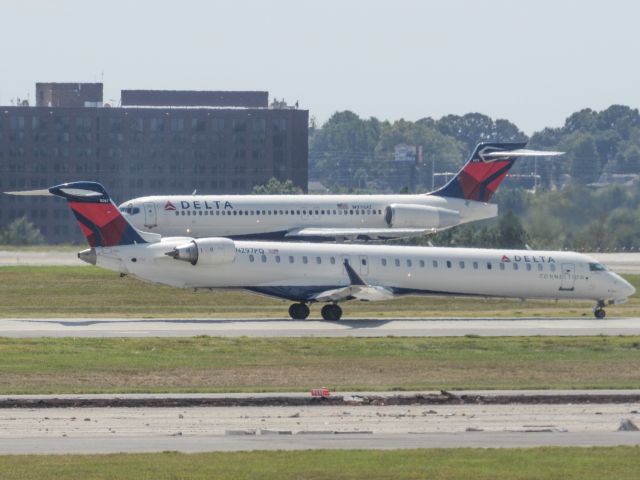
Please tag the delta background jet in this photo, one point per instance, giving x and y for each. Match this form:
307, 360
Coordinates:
308, 273
335, 217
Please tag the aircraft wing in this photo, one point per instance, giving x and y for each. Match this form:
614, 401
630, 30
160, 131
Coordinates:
357, 289
359, 233
371, 293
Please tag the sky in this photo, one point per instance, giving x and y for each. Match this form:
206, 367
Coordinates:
533, 62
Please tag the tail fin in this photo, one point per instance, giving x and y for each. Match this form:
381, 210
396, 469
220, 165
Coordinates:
100, 220
485, 170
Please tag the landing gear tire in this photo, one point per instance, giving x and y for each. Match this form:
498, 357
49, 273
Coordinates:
598, 310
298, 311
331, 312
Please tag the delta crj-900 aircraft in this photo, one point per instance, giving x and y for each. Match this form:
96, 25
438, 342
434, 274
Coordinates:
335, 217
330, 273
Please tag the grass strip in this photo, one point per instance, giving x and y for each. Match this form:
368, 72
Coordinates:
214, 364
81, 291
620, 463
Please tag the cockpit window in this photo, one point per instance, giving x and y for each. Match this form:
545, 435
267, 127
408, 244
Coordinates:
130, 210
597, 267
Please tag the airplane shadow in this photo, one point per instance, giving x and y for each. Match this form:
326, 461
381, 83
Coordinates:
352, 324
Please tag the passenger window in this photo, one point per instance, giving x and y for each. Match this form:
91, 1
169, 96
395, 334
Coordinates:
502, 267
318, 260
363, 261
409, 262
528, 267
435, 264
277, 258
421, 263
235, 213
322, 212
333, 260
489, 266
264, 258
448, 263
305, 259
540, 267
475, 265
461, 264
177, 212
397, 262
240, 212
515, 266
251, 259
334, 212
552, 267
291, 260
384, 262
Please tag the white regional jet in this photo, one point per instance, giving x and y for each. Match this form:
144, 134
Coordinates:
335, 217
309, 272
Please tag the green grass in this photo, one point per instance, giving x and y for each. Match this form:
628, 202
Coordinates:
82, 291
212, 364
620, 463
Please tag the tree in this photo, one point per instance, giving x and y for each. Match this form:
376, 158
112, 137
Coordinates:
585, 165
21, 232
510, 232
275, 187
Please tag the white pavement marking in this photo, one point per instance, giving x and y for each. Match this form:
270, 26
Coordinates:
413, 327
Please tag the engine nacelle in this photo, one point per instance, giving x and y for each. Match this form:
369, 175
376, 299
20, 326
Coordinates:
400, 215
205, 251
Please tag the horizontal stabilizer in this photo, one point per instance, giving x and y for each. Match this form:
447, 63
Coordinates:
30, 193
522, 152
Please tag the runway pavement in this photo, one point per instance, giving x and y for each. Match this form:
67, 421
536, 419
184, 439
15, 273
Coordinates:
199, 429
252, 327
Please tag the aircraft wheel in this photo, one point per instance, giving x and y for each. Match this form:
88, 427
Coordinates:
599, 313
298, 311
331, 312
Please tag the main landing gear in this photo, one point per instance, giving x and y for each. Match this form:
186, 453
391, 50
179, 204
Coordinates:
598, 310
331, 312
299, 311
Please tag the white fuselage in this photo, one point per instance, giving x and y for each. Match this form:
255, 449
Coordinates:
297, 270
276, 216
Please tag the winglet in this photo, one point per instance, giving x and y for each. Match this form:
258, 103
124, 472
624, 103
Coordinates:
354, 278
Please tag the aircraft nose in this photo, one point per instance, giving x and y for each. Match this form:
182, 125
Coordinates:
628, 288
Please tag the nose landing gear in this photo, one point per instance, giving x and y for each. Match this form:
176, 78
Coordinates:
299, 311
598, 310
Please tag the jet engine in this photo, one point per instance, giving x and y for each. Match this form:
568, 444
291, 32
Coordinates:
420, 216
205, 251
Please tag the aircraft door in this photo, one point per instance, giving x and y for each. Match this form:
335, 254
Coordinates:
150, 216
568, 277
364, 265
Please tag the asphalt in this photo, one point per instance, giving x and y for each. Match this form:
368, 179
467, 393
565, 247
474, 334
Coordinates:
362, 327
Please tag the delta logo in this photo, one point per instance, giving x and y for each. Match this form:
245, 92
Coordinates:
169, 206
528, 259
